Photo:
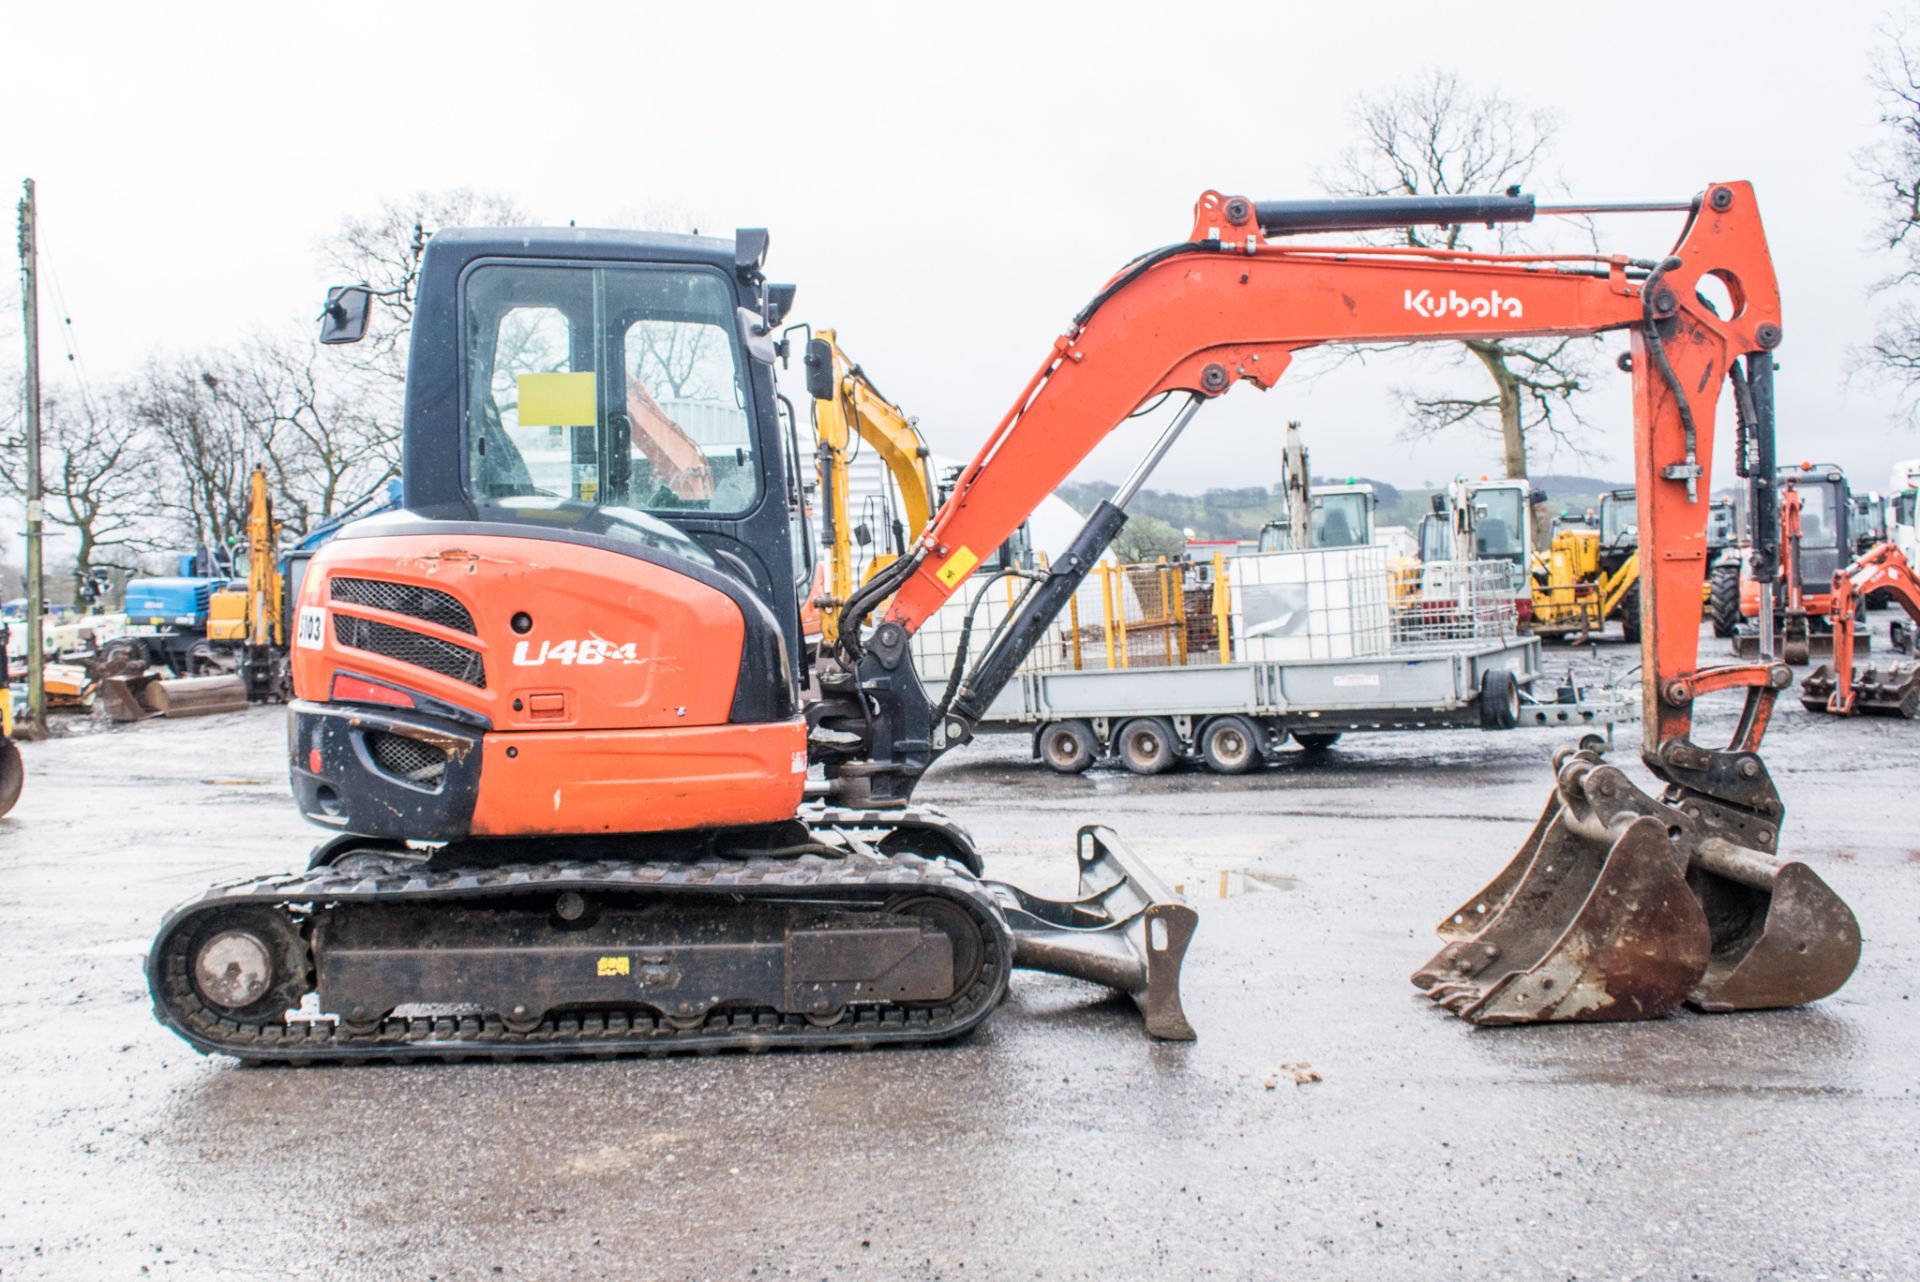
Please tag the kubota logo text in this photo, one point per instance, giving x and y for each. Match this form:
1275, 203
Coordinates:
590, 651
1434, 306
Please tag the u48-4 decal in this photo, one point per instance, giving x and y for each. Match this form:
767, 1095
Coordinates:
587, 652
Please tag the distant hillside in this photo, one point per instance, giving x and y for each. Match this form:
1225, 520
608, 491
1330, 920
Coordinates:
1224, 513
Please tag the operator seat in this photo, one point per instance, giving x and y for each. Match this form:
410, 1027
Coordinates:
1491, 538
1335, 532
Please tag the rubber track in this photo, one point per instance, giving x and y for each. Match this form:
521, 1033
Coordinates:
859, 877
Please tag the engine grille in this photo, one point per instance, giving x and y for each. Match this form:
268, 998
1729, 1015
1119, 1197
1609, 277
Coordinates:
410, 759
429, 604
404, 646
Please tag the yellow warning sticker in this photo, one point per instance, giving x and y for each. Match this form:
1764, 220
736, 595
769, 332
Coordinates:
957, 567
615, 966
556, 400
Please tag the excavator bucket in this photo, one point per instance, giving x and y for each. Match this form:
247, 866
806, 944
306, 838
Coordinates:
1880, 689
1621, 905
1124, 930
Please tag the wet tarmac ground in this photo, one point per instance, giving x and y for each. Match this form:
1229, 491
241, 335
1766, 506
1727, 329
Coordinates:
1328, 1123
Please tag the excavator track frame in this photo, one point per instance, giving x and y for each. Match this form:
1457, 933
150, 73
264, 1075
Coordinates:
1123, 929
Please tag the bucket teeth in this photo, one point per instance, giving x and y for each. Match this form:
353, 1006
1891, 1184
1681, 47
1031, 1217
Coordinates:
1621, 906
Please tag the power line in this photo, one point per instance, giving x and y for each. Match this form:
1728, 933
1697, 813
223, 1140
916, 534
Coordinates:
67, 338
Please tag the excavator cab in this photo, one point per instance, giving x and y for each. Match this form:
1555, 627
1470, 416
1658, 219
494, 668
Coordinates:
551, 712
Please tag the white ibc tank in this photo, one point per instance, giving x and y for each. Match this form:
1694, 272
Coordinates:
1320, 603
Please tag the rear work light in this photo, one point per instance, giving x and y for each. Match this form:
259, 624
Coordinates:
352, 689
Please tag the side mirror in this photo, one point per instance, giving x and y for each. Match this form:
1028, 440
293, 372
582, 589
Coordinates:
819, 363
749, 252
862, 535
779, 303
344, 319
1438, 501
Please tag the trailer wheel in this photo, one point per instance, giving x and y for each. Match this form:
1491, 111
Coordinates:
1067, 747
1723, 599
1230, 745
1499, 700
1145, 745
1312, 742
1630, 615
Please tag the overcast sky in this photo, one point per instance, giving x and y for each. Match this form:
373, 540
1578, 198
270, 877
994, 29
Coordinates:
946, 183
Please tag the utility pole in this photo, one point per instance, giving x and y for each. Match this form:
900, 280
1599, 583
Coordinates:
36, 589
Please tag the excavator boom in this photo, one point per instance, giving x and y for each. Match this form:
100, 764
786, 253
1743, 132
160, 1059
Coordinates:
1675, 895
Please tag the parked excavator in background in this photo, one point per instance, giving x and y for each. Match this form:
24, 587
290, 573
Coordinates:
585, 700
1588, 575
1815, 538
1887, 689
847, 407
1487, 520
1335, 515
232, 649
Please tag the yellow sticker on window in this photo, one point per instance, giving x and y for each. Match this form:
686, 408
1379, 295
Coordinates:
615, 966
557, 400
957, 567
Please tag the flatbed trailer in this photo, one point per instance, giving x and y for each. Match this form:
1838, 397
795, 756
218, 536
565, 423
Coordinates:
1317, 644
1231, 716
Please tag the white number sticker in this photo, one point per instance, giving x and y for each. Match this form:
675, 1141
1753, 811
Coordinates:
312, 631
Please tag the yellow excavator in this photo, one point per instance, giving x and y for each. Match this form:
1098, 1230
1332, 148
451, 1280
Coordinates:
847, 405
250, 616
1587, 576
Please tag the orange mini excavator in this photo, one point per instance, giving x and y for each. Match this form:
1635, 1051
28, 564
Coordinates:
557, 728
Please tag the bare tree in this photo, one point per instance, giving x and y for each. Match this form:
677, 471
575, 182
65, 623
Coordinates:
1436, 136
383, 251
203, 441
1890, 167
99, 475
320, 445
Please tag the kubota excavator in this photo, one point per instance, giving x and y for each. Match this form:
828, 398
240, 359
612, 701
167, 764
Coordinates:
558, 738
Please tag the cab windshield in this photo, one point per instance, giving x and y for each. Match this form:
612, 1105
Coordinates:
611, 387
1816, 514
1499, 525
1340, 520
1619, 520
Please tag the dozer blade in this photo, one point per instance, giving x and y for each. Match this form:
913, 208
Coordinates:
1794, 649
1883, 690
1621, 905
194, 696
1124, 930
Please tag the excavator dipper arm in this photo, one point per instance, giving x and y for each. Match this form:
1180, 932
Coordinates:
1234, 303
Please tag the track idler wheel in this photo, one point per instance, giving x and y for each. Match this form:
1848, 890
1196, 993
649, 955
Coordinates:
249, 963
1621, 905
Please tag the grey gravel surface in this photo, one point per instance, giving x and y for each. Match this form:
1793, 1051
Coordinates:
1329, 1123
